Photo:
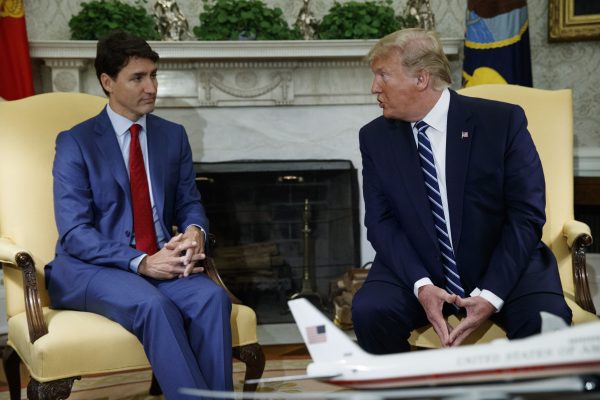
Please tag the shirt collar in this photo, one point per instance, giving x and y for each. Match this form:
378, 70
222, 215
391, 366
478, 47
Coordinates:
437, 118
121, 124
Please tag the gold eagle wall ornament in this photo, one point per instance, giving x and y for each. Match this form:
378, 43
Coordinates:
12, 8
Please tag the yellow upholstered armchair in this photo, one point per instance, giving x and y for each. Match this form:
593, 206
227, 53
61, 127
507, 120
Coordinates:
550, 117
58, 346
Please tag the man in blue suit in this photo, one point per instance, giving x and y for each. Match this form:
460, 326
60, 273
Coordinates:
454, 207
115, 254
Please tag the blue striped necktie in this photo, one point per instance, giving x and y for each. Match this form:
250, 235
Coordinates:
453, 284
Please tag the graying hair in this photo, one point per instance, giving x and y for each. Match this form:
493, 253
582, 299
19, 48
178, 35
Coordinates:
419, 50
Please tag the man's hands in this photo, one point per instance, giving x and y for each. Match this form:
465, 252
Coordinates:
432, 299
177, 258
478, 310
194, 253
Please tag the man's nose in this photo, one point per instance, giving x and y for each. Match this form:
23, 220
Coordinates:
375, 88
150, 86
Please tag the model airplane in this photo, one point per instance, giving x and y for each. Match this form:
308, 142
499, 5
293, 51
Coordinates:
339, 360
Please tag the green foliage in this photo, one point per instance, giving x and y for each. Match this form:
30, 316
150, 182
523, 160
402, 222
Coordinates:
97, 18
242, 19
361, 20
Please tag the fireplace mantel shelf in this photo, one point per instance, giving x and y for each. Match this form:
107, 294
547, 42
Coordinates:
234, 73
228, 50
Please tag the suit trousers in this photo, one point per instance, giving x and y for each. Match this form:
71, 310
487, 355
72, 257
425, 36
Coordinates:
183, 324
385, 314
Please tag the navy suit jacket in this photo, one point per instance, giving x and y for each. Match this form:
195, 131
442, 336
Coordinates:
92, 200
496, 199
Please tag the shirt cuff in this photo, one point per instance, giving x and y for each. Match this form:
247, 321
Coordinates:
496, 301
420, 283
199, 227
135, 263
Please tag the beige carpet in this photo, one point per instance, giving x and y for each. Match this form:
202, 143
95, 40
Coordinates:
134, 385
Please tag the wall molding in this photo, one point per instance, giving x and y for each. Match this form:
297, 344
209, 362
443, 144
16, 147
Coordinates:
586, 161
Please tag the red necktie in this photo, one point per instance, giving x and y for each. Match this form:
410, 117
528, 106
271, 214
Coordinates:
143, 223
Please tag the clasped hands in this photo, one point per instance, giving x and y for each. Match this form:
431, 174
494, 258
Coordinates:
177, 258
478, 309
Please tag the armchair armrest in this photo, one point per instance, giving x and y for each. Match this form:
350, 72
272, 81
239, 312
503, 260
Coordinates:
18, 257
211, 269
579, 237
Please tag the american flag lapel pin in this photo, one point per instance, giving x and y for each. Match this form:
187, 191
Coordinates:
464, 135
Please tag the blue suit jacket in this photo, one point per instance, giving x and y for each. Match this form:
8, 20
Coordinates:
92, 200
496, 198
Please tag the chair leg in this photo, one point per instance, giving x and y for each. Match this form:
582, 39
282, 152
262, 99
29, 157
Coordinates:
12, 363
155, 389
254, 358
54, 390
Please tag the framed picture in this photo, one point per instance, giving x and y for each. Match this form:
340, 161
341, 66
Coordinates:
571, 20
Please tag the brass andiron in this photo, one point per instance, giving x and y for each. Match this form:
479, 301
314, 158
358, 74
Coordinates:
308, 291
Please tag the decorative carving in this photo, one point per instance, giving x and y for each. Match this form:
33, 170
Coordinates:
583, 296
244, 85
33, 305
312, 72
306, 21
252, 355
53, 390
246, 79
66, 63
421, 10
65, 81
170, 21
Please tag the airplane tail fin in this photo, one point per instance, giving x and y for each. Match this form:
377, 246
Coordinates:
324, 340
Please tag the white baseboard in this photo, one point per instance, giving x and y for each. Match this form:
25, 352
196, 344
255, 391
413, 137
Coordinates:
586, 161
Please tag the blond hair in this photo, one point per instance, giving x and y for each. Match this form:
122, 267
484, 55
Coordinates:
418, 49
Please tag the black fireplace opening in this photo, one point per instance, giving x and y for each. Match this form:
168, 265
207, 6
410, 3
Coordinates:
283, 229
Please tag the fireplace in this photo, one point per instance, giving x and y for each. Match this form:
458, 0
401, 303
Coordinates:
282, 228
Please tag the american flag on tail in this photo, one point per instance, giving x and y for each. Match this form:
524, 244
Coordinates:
316, 334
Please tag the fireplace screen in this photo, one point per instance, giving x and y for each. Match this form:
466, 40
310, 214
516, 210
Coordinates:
283, 229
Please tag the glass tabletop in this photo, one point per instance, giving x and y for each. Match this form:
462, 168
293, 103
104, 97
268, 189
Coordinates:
563, 388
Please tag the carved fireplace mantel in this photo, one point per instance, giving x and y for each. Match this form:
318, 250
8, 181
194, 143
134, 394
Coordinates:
233, 73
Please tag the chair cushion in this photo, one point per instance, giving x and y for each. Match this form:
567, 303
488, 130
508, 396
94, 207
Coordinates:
82, 343
243, 325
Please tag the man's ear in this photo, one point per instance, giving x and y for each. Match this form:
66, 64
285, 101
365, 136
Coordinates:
107, 82
423, 79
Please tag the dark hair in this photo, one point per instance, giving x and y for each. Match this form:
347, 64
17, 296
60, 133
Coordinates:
114, 51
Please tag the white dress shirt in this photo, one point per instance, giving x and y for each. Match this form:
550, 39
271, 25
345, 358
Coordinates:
437, 119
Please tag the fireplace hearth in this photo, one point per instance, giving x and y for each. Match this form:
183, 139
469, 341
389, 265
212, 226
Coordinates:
283, 229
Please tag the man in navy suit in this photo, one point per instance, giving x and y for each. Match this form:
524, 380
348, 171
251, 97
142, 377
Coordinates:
181, 317
480, 255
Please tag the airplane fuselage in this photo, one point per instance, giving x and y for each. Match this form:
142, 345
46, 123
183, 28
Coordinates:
575, 350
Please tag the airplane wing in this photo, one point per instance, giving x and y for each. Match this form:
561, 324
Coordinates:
291, 378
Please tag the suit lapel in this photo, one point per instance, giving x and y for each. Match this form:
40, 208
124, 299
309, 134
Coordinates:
404, 151
157, 145
108, 146
458, 145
